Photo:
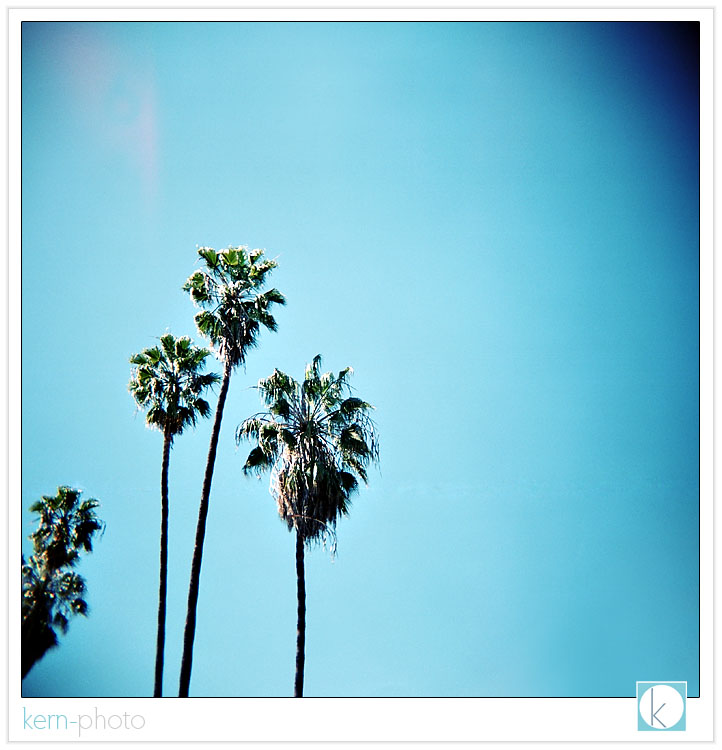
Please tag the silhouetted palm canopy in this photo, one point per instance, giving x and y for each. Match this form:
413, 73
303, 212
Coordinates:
52, 591
317, 439
234, 308
167, 381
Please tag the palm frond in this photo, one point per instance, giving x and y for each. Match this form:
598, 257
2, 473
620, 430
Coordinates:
258, 460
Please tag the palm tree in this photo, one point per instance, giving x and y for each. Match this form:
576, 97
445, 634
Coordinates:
317, 440
234, 308
52, 591
167, 381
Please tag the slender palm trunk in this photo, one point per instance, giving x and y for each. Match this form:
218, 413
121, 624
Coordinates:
190, 628
301, 626
163, 586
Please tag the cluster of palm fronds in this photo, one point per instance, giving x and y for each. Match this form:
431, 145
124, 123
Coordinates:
168, 383
233, 307
52, 591
317, 439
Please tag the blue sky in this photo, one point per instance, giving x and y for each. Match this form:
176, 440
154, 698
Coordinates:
496, 225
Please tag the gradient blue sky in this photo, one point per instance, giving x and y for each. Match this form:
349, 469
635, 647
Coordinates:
496, 225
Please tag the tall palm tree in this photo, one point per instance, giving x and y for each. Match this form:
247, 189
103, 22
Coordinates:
52, 591
317, 440
167, 381
234, 308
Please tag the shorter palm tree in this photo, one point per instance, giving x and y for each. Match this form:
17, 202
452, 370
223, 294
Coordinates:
317, 440
52, 591
168, 382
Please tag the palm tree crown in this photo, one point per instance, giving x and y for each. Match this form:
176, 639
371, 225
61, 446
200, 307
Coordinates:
229, 291
318, 440
168, 382
66, 527
52, 591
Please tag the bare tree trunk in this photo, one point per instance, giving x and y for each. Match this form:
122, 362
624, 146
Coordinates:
190, 628
301, 626
163, 586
